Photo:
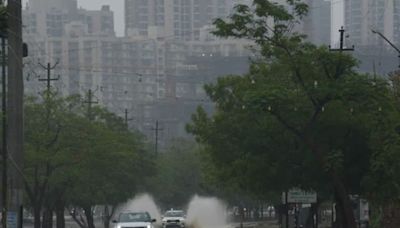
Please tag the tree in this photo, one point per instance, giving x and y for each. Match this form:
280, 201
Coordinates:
47, 120
113, 163
178, 174
75, 161
301, 117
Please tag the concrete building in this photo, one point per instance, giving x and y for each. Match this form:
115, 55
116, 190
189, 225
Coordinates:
157, 75
363, 15
317, 25
181, 19
99, 22
69, 6
49, 18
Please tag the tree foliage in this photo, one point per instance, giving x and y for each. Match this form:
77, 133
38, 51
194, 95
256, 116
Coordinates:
302, 116
71, 160
178, 175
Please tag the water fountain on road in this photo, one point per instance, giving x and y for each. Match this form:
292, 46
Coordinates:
143, 202
206, 212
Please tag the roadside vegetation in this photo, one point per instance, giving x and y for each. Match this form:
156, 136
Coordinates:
301, 117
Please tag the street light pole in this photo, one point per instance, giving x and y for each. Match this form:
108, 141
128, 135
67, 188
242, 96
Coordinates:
388, 41
15, 94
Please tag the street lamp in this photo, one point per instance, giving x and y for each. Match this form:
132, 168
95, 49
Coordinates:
387, 40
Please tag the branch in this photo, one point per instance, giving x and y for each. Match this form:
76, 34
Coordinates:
54, 140
326, 71
73, 215
296, 71
317, 111
339, 70
29, 192
286, 124
298, 76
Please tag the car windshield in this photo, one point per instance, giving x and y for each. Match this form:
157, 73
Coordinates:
174, 214
134, 217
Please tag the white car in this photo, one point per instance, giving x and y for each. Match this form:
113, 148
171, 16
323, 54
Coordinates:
173, 219
134, 220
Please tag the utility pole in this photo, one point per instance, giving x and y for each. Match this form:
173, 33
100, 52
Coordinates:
341, 47
90, 102
15, 95
127, 118
157, 129
48, 68
388, 41
4, 178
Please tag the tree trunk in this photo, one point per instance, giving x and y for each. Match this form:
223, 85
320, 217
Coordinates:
107, 216
342, 196
47, 218
37, 216
345, 209
310, 222
89, 217
391, 215
60, 208
74, 215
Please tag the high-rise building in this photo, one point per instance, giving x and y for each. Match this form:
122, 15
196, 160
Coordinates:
180, 19
155, 79
54, 18
317, 24
363, 15
70, 6
98, 22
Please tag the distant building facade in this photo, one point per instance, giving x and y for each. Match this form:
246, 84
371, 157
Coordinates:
181, 19
56, 18
156, 77
363, 15
317, 24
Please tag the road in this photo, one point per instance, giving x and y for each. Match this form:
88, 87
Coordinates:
70, 223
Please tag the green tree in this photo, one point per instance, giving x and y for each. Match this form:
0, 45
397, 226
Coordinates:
301, 117
47, 120
75, 161
110, 170
178, 176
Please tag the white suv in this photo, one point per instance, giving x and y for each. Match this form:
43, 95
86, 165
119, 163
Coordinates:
134, 220
173, 219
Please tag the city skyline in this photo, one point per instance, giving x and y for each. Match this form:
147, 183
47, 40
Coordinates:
118, 7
